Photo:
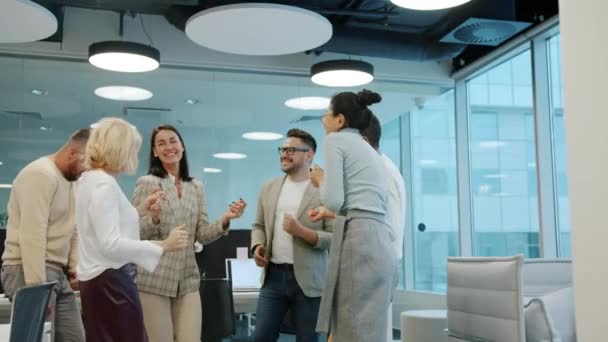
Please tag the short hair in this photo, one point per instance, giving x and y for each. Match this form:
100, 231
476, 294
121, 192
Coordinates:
373, 132
81, 136
113, 146
306, 138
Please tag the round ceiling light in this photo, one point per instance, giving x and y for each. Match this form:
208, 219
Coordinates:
23, 21
211, 170
262, 136
308, 103
428, 5
124, 56
123, 93
262, 30
342, 73
230, 156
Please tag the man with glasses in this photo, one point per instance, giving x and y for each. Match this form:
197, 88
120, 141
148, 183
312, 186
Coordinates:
292, 249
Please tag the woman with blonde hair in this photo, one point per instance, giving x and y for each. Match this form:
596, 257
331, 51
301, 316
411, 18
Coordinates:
109, 245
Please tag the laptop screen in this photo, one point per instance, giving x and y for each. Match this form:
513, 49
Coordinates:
244, 273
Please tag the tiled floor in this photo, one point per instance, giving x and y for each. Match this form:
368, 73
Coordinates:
242, 336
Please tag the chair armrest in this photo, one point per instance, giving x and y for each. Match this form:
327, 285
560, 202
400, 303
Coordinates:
464, 336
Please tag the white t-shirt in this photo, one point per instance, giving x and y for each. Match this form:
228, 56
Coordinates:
288, 203
395, 204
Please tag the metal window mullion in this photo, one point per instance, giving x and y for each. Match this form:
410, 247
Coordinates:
406, 171
465, 226
544, 149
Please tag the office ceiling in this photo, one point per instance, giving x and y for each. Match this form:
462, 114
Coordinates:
374, 28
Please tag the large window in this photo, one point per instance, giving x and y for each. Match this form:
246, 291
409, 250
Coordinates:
390, 145
559, 145
502, 160
434, 191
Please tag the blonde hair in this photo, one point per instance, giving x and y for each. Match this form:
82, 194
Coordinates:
113, 146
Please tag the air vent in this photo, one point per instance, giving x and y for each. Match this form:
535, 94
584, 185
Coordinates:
127, 111
477, 31
305, 118
19, 115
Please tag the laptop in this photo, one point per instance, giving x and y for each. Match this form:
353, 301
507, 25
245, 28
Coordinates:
245, 274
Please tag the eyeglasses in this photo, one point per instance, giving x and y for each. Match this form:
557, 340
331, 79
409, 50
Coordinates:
291, 150
322, 117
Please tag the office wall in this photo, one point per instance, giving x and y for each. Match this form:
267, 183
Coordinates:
585, 57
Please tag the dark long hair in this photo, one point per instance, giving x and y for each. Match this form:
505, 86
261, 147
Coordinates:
156, 166
354, 107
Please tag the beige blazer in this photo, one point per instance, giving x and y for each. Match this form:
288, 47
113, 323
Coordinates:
310, 262
177, 272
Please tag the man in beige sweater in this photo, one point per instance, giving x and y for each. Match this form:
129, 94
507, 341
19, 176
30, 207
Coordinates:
41, 235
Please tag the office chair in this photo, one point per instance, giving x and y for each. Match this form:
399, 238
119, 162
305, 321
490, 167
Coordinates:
218, 309
29, 312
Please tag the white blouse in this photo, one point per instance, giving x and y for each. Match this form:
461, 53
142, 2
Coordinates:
108, 228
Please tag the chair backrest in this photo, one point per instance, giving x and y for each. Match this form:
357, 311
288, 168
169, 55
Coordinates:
218, 309
484, 299
29, 312
542, 276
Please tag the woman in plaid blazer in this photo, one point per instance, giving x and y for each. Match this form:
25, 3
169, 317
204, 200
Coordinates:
169, 295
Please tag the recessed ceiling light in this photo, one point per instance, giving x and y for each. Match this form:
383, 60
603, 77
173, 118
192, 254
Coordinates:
123, 93
211, 170
230, 155
1, 163
25, 21
192, 101
308, 103
262, 136
44, 128
6, 186
40, 92
428, 5
342, 73
124, 56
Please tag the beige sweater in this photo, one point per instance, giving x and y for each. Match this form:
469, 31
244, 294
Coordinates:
41, 230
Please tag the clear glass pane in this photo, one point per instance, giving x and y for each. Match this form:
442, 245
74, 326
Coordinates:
390, 145
434, 192
559, 146
503, 169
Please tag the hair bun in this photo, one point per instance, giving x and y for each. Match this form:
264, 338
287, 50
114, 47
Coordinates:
367, 97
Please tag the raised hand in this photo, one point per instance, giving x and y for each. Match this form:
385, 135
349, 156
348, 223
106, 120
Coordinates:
235, 210
177, 239
290, 224
317, 175
320, 213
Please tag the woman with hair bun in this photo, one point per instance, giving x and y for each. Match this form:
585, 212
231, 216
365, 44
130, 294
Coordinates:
360, 278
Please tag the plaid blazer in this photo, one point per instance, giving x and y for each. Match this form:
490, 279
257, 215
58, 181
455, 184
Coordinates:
177, 272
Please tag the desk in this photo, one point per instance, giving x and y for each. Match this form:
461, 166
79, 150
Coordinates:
245, 302
424, 326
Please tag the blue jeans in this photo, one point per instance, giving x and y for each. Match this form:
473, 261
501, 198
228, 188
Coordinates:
280, 293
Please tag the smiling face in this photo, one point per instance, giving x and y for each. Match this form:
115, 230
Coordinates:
295, 155
167, 147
